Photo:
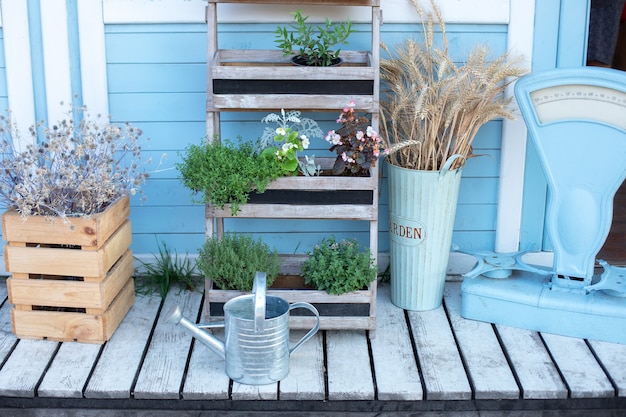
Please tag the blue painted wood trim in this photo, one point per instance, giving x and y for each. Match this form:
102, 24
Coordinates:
74, 50
560, 41
4, 99
37, 59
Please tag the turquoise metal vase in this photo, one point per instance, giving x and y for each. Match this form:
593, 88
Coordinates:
422, 206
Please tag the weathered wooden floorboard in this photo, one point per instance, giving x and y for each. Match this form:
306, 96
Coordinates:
349, 372
115, 372
69, 370
305, 380
613, 358
22, 372
206, 377
532, 364
161, 375
3, 290
7, 338
489, 371
583, 375
395, 365
442, 369
254, 392
447, 347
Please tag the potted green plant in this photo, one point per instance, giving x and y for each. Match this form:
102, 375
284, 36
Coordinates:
67, 220
291, 135
314, 46
226, 173
431, 110
232, 261
338, 267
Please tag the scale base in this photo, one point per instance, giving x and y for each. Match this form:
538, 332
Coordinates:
526, 300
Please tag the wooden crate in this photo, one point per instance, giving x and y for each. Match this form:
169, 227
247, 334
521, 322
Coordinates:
354, 310
72, 280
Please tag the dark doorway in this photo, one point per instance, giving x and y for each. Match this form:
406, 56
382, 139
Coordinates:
614, 249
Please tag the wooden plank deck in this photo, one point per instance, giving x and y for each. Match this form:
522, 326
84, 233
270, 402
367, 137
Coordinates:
429, 361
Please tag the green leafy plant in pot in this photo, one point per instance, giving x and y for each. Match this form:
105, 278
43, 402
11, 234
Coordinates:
431, 110
232, 261
225, 173
338, 267
313, 45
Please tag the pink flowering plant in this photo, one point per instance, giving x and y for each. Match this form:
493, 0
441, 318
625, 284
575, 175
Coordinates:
357, 144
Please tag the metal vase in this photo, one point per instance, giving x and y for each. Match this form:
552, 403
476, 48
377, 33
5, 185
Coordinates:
422, 207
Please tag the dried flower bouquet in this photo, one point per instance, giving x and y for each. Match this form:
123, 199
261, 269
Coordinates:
72, 168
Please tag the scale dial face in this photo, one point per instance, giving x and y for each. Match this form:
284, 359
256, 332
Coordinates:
580, 101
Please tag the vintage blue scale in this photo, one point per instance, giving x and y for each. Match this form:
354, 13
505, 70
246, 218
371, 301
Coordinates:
577, 121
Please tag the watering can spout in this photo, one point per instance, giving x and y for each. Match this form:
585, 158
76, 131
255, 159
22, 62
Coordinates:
175, 316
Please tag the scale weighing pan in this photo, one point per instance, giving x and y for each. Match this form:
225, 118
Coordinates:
577, 121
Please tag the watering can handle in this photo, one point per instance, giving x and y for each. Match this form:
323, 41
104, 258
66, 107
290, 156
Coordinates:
258, 288
311, 332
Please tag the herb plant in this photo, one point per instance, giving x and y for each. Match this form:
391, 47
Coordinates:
226, 173
292, 134
357, 145
167, 269
313, 44
339, 267
232, 261
77, 168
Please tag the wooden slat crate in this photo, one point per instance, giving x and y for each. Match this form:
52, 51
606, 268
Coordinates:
71, 281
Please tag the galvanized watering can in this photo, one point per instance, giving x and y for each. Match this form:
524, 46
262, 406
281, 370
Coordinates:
256, 347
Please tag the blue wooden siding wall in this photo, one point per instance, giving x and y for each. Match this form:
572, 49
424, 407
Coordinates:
157, 81
4, 101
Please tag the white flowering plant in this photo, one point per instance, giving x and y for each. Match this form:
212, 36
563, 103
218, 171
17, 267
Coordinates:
292, 135
357, 144
73, 168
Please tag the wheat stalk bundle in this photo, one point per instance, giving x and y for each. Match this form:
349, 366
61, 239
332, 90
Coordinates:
432, 108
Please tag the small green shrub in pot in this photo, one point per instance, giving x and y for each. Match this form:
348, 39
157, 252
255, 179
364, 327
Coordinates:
339, 267
224, 173
312, 45
232, 261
